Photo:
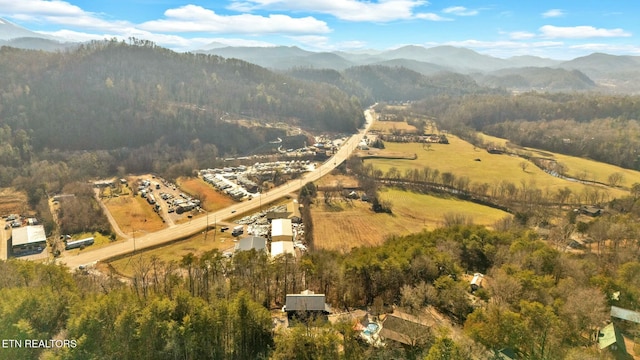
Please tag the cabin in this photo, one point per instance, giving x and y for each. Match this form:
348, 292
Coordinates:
405, 329
306, 306
611, 339
590, 210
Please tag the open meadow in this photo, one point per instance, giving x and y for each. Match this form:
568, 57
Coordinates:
345, 225
462, 159
577, 167
389, 127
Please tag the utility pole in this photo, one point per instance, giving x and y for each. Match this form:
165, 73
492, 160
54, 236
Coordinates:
206, 228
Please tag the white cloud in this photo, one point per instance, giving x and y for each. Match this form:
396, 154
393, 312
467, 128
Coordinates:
553, 13
350, 10
521, 35
460, 11
431, 17
193, 18
39, 8
580, 32
57, 12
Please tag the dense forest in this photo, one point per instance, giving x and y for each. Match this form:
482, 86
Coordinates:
107, 95
211, 307
601, 127
111, 95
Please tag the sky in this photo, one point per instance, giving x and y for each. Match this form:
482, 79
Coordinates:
558, 29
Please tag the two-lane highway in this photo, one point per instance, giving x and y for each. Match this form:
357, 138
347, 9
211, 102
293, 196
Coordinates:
199, 224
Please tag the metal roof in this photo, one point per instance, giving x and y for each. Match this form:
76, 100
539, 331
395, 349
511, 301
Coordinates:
251, 242
281, 227
608, 336
28, 235
282, 247
625, 314
305, 302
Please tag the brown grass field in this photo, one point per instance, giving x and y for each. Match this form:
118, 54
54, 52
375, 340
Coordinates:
211, 199
197, 245
459, 157
391, 126
347, 225
12, 202
335, 180
134, 214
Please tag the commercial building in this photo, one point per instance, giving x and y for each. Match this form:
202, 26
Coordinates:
28, 240
281, 230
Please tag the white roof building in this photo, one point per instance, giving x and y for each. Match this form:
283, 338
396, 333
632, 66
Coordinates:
28, 238
281, 230
282, 247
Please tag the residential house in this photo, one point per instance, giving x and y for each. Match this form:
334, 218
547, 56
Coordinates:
306, 305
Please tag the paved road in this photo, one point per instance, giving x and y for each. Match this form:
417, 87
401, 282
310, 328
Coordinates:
197, 225
4, 241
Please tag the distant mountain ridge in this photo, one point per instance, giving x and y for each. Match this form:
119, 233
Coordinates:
18, 37
605, 72
597, 71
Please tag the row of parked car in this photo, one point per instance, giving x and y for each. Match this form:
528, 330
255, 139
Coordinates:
12, 221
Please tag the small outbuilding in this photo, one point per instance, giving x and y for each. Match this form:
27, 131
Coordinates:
476, 282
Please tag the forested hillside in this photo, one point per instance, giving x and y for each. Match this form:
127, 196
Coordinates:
108, 95
211, 307
373, 83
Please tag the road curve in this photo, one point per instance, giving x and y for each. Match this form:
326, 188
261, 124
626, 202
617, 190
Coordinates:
197, 225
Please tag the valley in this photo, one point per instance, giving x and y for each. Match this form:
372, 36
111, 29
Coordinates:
423, 198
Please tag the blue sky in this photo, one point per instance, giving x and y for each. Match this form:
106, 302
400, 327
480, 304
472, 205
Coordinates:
503, 28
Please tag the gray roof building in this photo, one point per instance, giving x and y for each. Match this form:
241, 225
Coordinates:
307, 301
252, 242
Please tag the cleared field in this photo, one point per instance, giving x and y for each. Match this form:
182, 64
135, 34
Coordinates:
335, 180
210, 198
197, 245
578, 167
343, 227
392, 126
464, 160
134, 214
12, 201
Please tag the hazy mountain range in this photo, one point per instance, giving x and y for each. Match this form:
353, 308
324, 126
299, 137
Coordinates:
598, 71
